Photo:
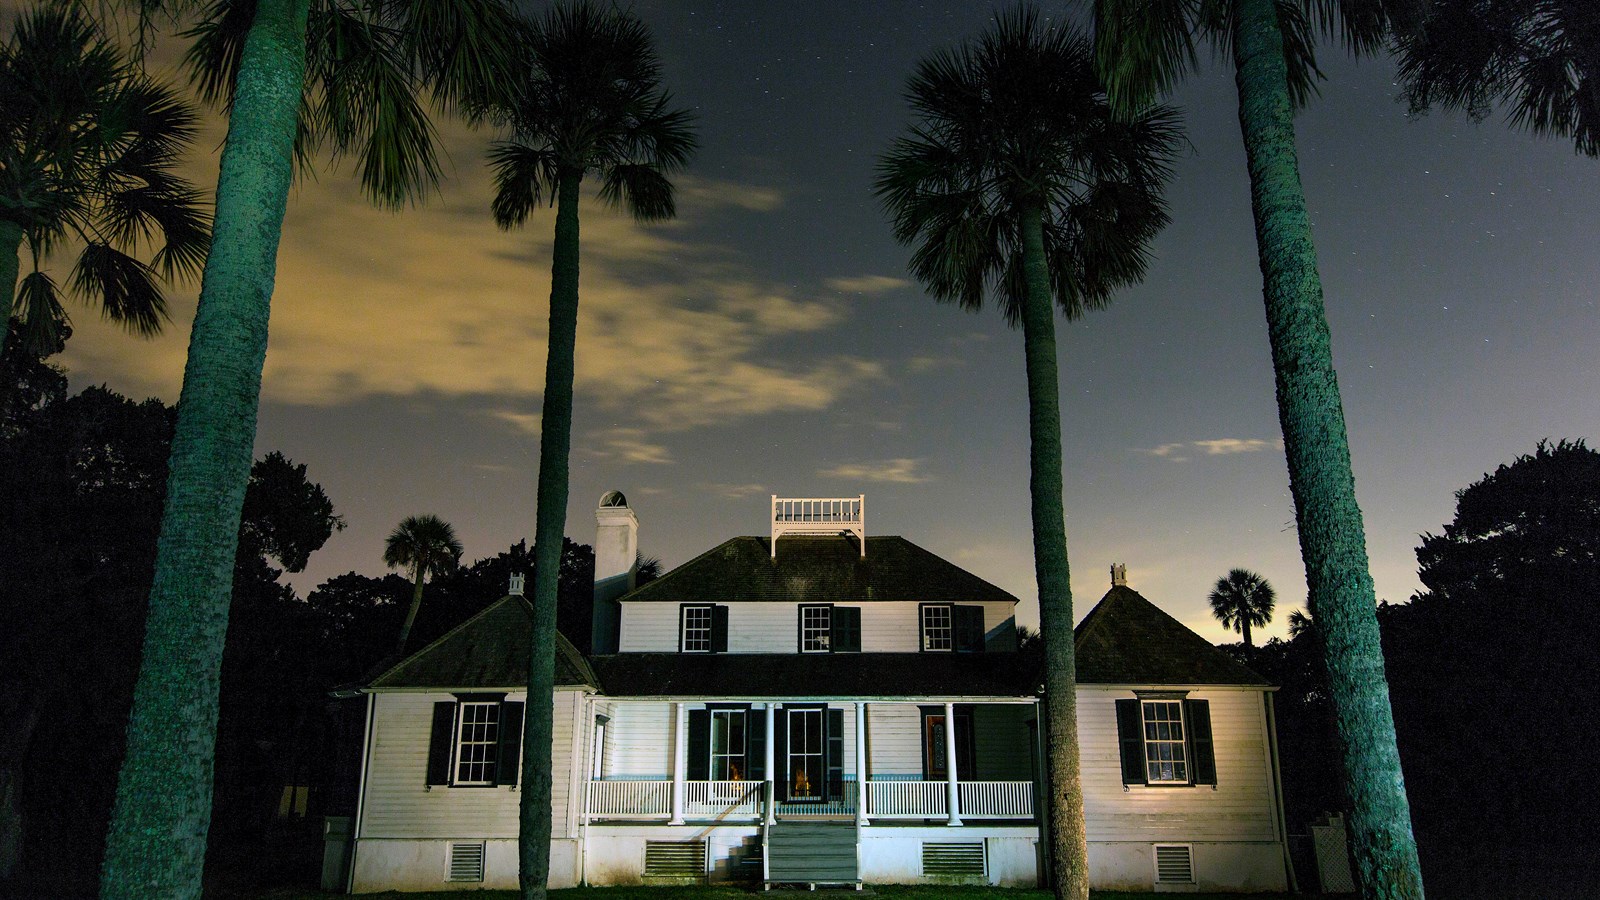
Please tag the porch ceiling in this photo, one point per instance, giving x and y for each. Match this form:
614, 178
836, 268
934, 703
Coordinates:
862, 675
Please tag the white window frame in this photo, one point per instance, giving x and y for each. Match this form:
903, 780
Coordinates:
948, 628
485, 734
597, 748
701, 629
818, 788
729, 752
816, 632
1153, 743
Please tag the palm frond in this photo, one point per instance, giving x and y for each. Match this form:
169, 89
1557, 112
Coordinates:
1143, 48
125, 287
523, 177
40, 314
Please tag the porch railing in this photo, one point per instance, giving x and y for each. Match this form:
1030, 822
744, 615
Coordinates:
743, 800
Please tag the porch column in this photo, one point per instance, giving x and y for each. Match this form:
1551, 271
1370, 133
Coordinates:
861, 763
770, 795
954, 791
680, 760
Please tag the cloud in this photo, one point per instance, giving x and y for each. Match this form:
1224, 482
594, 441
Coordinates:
921, 365
1177, 452
867, 284
629, 445
901, 471
673, 332
735, 491
527, 423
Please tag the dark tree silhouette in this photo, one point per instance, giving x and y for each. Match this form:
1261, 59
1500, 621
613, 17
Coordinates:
1537, 58
1016, 184
1242, 600
587, 102
426, 545
88, 148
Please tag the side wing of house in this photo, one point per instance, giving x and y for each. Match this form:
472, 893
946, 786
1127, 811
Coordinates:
442, 780
1179, 771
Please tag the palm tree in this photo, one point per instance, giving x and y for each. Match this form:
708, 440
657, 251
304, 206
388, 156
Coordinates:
588, 102
88, 144
1536, 56
293, 75
1016, 184
426, 545
1145, 48
1242, 600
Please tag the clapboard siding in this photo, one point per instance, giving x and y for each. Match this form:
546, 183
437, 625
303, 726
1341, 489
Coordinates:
399, 804
769, 627
894, 740
1240, 808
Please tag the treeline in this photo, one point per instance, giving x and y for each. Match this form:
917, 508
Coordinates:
82, 481
1492, 675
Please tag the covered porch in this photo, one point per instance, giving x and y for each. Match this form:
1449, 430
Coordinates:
907, 761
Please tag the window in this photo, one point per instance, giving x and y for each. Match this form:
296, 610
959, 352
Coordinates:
805, 763
937, 632
477, 743
697, 629
1164, 757
1165, 740
598, 751
816, 627
727, 745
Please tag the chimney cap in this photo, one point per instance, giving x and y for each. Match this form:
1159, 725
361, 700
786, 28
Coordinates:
1119, 575
613, 499
517, 581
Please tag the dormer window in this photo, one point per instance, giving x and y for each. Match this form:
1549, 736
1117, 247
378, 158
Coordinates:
816, 627
702, 628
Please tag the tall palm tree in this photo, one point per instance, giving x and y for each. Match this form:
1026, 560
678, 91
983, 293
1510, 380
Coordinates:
293, 75
1145, 48
1540, 57
88, 144
1241, 600
426, 545
1015, 184
589, 102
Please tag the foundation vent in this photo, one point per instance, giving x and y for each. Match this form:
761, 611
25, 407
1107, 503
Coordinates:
675, 859
1174, 864
464, 862
965, 858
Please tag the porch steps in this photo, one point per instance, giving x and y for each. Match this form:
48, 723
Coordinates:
812, 853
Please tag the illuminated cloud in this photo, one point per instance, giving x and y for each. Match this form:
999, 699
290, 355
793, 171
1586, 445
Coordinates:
1178, 452
867, 284
901, 471
735, 491
629, 445
435, 301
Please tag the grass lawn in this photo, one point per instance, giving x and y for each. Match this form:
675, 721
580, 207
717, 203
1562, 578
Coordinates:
883, 892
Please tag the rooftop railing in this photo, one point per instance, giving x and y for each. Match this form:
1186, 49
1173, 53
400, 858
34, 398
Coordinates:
819, 515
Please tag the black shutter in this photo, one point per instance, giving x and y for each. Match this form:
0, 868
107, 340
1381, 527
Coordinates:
755, 742
719, 629
509, 758
967, 622
699, 753
441, 741
834, 760
1130, 734
780, 752
1197, 715
846, 628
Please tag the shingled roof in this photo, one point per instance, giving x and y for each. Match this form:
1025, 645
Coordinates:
489, 650
1126, 639
814, 568
863, 675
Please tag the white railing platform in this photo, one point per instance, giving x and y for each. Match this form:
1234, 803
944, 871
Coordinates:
742, 800
819, 515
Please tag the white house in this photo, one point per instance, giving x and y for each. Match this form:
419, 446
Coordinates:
816, 706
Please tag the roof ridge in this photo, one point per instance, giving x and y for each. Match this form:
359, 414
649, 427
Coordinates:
675, 570
962, 569
407, 660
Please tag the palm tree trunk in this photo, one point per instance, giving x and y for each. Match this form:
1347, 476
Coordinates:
1069, 848
555, 440
411, 614
1332, 539
157, 840
1245, 622
10, 265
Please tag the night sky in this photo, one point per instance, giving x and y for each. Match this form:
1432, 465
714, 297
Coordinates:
769, 340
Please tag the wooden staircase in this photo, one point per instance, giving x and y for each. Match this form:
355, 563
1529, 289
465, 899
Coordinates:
812, 853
